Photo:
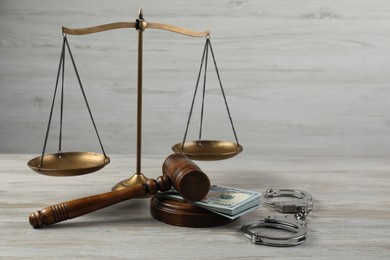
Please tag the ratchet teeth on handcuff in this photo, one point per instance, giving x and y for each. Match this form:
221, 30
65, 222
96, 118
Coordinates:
295, 224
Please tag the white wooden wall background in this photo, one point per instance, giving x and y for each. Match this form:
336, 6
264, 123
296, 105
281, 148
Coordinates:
306, 78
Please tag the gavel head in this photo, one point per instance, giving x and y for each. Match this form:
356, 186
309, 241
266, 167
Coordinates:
186, 177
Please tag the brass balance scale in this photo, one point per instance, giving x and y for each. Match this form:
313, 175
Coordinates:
78, 163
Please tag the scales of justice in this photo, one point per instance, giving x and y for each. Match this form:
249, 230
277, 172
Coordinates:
78, 163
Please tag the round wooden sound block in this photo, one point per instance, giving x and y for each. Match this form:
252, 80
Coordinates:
183, 214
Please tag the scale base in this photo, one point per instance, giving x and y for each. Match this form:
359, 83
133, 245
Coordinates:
182, 214
137, 178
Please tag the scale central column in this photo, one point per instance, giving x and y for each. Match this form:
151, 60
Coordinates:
139, 97
138, 177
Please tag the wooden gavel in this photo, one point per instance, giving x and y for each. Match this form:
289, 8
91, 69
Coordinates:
178, 171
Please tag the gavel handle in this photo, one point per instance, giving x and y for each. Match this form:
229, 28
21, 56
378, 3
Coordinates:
78, 207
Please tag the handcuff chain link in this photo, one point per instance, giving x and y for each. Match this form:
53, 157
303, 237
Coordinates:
302, 213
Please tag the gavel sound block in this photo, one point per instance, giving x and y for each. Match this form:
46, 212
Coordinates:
178, 171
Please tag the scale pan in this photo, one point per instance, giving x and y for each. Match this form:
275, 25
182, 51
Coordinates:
208, 150
69, 164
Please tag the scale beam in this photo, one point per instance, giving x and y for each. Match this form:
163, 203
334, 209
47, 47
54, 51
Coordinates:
143, 25
178, 30
98, 28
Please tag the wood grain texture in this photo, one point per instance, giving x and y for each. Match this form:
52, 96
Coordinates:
302, 78
307, 84
350, 219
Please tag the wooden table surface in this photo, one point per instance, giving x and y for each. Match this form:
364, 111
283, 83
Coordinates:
350, 219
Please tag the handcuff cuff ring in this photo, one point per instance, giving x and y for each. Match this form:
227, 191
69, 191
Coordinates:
296, 224
287, 222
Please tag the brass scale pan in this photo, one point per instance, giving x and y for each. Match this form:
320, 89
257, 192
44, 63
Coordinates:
208, 150
69, 163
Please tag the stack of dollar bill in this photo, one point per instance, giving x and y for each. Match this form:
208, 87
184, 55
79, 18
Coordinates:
228, 202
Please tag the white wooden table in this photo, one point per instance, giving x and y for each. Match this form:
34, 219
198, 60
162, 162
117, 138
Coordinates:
350, 219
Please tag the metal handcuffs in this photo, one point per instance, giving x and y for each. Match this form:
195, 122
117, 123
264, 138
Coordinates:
296, 224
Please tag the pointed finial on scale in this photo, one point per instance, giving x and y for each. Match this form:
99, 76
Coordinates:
140, 14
